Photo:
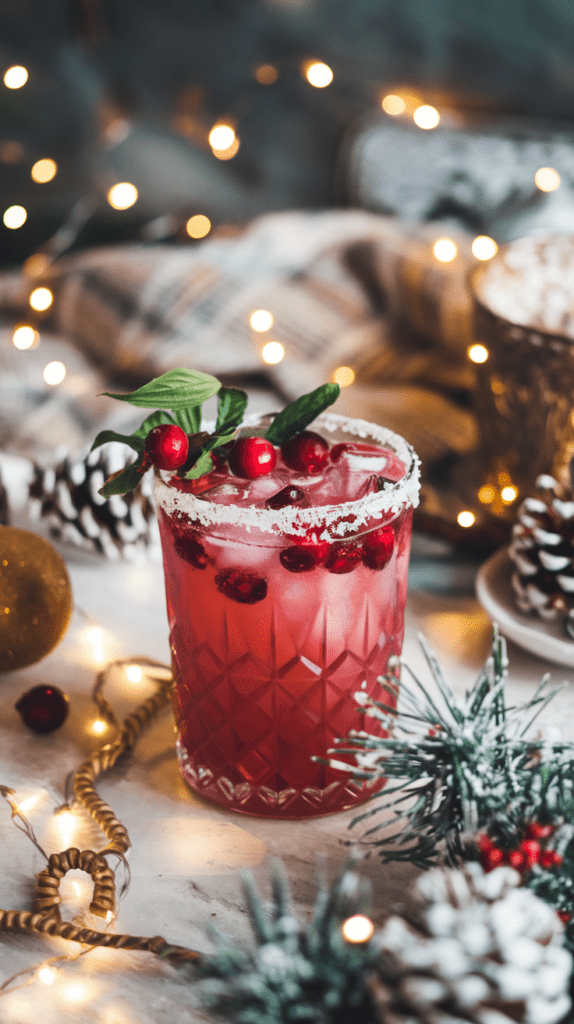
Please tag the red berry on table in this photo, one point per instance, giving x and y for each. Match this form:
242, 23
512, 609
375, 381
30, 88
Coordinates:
167, 446
251, 457
537, 831
43, 708
378, 547
344, 557
306, 452
289, 496
241, 585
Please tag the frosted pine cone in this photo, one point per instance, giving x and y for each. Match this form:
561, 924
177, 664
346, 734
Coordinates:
66, 497
542, 550
485, 950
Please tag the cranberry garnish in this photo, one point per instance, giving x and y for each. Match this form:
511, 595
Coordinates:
306, 452
344, 557
241, 585
167, 446
191, 550
378, 547
252, 457
288, 496
298, 559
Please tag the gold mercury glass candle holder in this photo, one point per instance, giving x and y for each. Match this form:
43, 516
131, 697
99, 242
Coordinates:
523, 311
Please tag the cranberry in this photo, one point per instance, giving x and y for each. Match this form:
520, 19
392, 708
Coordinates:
344, 557
191, 550
43, 708
241, 585
306, 452
355, 448
378, 547
167, 446
288, 496
252, 457
298, 559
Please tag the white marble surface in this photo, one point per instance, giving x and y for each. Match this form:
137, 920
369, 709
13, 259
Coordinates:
186, 854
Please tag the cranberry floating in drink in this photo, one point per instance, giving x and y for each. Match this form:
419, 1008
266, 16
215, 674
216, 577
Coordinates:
285, 594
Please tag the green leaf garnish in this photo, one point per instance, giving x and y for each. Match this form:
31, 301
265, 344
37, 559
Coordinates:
152, 421
124, 481
230, 408
134, 441
189, 419
301, 412
203, 465
176, 389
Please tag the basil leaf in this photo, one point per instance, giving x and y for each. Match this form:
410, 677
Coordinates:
230, 408
203, 465
175, 389
105, 436
189, 419
120, 483
152, 421
301, 412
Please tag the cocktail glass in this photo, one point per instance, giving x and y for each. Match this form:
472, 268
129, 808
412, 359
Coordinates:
267, 660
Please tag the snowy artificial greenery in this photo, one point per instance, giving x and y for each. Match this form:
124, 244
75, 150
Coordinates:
292, 972
462, 766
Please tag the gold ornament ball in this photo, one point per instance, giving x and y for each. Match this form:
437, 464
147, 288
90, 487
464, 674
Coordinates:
35, 598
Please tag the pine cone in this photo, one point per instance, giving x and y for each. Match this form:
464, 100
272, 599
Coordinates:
66, 497
542, 550
485, 950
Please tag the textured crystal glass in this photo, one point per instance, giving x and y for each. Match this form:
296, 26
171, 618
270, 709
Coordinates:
266, 660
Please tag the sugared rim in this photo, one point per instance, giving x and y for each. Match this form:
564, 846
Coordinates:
391, 499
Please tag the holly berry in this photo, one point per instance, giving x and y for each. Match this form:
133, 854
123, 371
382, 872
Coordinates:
43, 708
252, 457
537, 831
241, 585
550, 859
493, 858
167, 446
306, 452
531, 850
378, 547
344, 557
517, 860
288, 496
564, 916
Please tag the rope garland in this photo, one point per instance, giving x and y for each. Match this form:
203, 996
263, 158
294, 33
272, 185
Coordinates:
46, 919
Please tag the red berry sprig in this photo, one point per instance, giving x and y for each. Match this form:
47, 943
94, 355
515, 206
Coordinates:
528, 852
251, 457
167, 446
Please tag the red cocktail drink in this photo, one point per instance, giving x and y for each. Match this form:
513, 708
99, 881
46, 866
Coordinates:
285, 596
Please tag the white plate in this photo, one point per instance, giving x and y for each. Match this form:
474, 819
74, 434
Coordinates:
494, 591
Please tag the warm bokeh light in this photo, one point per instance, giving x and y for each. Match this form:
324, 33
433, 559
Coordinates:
14, 217
98, 727
41, 299
65, 824
24, 337
426, 116
54, 372
198, 226
318, 74
444, 250
547, 179
266, 74
487, 494
36, 264
466, 518
358, 928
222, 136
393, 104
273, 352
15, 77
28, 803
47, 975
484, 247
123, 195
94, 635
477, 353
343, 376
77, 992
261, 320
230, 152
98, 656
43, 171
134, 673
509, 494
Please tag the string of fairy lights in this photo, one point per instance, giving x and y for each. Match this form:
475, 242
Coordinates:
223, 139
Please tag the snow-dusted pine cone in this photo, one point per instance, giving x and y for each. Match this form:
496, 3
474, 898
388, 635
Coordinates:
542, 550
485, 950
66, 497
